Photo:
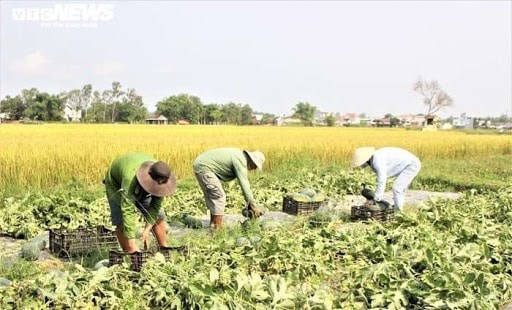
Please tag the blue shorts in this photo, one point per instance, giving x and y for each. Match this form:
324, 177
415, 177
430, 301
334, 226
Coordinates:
117, 217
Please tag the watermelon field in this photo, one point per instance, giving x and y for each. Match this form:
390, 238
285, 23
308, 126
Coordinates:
442, 254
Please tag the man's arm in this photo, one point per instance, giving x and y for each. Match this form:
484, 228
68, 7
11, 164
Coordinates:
128, 209
379, 167
242, 174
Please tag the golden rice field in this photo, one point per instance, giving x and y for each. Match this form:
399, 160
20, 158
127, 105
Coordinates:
51, 154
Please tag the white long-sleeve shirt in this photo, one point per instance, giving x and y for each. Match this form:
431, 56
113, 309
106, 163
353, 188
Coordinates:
389, 162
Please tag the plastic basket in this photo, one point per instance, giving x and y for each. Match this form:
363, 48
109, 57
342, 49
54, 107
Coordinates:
81, 240
294, 207
365, 213
138, 259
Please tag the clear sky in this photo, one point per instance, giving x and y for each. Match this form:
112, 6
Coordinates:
340, 56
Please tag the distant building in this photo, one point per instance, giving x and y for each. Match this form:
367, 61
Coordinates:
430, 120
406, 119
257, 118
382, 122
72, 115
485, 123
4, 116
286, 120
412, 120
464, 122
160, 120
504, 127
320, 116
348, 119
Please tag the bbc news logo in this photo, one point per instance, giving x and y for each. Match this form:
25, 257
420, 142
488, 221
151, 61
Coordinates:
66, 15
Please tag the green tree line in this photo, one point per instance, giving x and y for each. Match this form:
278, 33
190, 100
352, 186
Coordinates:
123, 105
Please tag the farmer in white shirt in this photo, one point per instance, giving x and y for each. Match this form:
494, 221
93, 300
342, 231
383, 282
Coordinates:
389, 162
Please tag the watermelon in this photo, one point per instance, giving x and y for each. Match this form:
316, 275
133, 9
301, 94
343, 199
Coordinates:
30, 251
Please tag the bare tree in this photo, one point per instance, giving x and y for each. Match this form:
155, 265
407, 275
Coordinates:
434, 97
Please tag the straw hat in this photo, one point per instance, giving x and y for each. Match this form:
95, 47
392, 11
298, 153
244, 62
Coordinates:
257, 158
361, 155
156, 178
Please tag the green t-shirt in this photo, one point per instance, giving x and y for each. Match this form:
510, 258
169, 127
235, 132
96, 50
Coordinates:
121, 185
228, 164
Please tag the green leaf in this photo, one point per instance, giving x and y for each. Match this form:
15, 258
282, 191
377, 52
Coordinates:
259, 294
214, 275
378, 300
430, 256
480, 282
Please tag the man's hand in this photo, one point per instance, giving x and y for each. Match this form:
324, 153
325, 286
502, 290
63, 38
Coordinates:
252, 211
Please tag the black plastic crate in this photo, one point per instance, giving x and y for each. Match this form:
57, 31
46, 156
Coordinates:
138, 259
365, 213
294, 207
81, 240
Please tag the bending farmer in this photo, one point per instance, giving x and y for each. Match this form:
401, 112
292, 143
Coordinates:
136, 183
226, 164
389, 162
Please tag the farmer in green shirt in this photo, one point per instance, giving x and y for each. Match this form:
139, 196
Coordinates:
135, 184
226, 164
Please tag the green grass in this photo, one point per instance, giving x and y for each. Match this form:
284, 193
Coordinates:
19, 269
489, 173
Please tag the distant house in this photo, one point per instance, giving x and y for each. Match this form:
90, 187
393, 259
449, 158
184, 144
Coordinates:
411, 120
430, 120
183, 122
256, 118
464, 122
349, 119
320, 116
383, 122
72, 115
485, 123
4, 116
504, 127
366, 121
286, 120
161, 120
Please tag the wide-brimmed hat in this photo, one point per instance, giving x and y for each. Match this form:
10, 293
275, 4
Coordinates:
361, 155
257, 158
156, 178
